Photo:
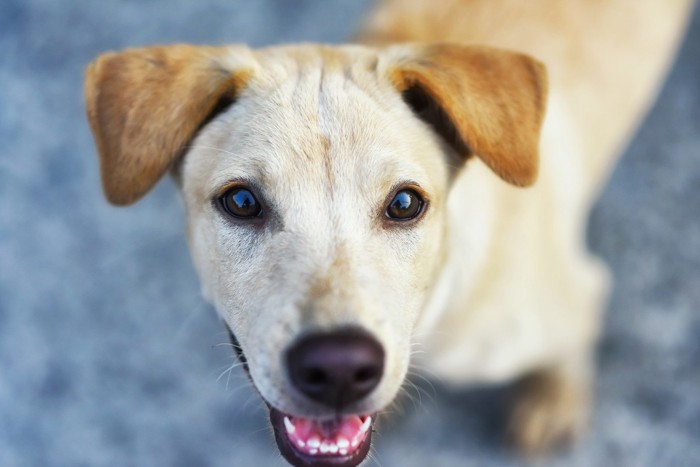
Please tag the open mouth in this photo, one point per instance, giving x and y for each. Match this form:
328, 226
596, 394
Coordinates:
343, 441
340, 442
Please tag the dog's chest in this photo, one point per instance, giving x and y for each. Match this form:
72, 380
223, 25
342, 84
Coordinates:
493, 347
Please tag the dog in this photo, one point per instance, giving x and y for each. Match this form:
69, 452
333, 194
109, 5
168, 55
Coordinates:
428, 186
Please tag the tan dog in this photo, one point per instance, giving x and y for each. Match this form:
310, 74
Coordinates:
345, 203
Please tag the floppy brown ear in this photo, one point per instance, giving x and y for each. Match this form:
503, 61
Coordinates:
483, 101
145, 106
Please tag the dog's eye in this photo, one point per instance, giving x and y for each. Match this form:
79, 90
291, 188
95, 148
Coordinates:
240, 202
405, 205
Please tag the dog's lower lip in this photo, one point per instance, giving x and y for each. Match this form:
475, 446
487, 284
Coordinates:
348, 445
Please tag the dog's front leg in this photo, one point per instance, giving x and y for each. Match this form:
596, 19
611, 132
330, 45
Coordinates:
552, 405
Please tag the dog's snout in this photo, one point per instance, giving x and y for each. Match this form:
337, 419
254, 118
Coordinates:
336, 369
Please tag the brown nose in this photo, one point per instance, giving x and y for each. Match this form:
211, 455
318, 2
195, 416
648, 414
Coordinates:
338, 368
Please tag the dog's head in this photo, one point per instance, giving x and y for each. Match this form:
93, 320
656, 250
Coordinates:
315, 182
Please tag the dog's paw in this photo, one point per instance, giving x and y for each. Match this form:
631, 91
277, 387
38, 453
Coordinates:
550, 411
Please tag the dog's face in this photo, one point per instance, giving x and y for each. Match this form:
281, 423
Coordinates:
315, 181
347, 192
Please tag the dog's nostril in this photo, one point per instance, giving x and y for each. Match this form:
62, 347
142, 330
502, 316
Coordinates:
364, 375
336, 369
316, 377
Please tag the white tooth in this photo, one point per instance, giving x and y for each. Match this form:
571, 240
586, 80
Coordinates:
333, 448
343, 443
324, 448
301, 443
354, 443
314, 443
343, 452
313, 452
365, 426
289, 426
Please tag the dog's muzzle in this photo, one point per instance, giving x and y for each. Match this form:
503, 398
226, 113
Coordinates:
335, 370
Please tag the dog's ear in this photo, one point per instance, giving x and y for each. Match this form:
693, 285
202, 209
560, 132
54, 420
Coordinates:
482, 101
145, 106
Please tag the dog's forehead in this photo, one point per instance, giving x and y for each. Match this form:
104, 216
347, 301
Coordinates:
333, 95
313, 118
286, 59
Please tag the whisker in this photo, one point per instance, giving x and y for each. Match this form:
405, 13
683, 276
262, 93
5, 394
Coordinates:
228, 369
222, 369
260, 430
418, 390
432, 333
431, 395
424, 380
371, 455
243, 385
419, 371
225, 344
252, 398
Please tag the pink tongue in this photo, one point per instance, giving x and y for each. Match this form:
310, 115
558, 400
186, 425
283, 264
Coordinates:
350, 427
339, 437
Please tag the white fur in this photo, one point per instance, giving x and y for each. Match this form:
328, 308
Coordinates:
324, 163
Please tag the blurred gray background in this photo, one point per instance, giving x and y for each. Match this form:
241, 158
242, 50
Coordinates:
108, 356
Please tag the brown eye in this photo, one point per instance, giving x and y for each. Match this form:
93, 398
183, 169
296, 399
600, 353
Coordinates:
240, 202
405, 205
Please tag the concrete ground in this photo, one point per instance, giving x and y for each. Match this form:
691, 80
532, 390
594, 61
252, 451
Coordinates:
109, 357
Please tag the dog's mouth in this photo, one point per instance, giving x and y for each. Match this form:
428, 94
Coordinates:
343, 441
340, 442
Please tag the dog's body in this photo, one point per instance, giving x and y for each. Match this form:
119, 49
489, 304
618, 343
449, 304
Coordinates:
531, 296
493, 281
